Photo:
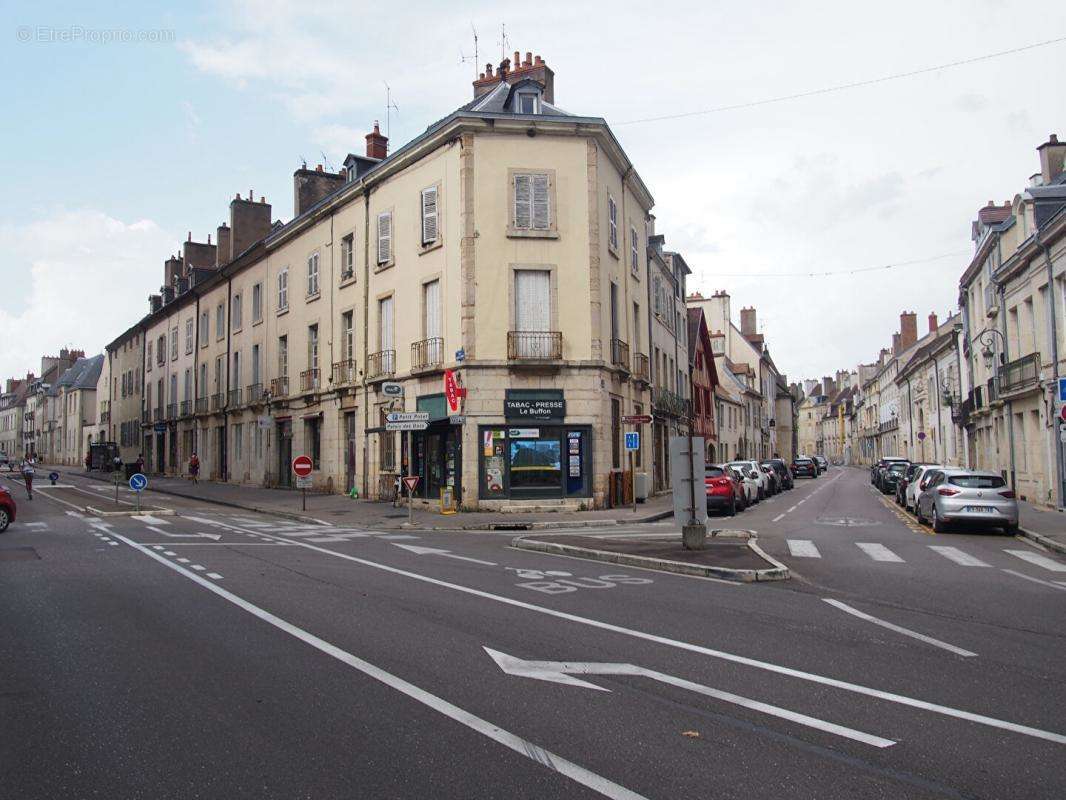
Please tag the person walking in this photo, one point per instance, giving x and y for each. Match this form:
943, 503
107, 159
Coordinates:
27, 475
194, 468
140, 463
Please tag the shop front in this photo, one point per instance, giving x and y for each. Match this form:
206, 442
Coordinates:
534, 455
438, 452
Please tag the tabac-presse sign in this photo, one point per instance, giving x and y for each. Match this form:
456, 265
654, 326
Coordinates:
534, 405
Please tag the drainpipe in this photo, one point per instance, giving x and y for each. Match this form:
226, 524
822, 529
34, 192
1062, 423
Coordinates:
224, 474
964, 458
1061, 493
910, 413
366, 334
995, 382
939, 422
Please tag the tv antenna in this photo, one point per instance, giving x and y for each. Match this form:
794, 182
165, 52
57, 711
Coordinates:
464, 59
390, 106
505, 43
326, 161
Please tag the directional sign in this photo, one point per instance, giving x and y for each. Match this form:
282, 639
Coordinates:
407, 416
632, 440
302, 466
921, 436
636, 419
138, 482
53, 476
406, 426
392, 389
411, 482
1062, 390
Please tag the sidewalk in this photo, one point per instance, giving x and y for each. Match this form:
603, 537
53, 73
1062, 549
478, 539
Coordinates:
1045, 527
336, 509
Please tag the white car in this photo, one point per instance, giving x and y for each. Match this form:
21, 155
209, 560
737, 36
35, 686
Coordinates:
910, 499
756, 482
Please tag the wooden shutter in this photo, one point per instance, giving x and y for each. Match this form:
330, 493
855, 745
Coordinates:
385, 237
541, 212
523, 214
429, 215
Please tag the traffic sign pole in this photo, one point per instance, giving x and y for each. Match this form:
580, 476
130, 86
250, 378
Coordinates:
410, 491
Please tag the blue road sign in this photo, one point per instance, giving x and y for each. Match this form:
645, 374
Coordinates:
1062, 390
632, 440
460, 354
53, 476
138, 482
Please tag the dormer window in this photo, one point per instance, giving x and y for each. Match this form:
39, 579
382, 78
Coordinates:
528, 103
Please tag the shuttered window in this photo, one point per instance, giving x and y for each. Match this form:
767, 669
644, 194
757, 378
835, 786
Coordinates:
532, 300
312, 275
531, 202
612, 223
633, 250
283, 289
385, 237
385, 323
429, 215
432, 309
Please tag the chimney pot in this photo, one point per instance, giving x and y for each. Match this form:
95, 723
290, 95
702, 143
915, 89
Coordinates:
529, 59
933, 325
1053, 138
318, 168
517, 60
190, 237
209, 238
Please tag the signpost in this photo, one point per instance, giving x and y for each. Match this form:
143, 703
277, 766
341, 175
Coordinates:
138, 482
53, 477
411, 482
636, 419
687, 467
301, 467
408, 421
632, 445
392, 389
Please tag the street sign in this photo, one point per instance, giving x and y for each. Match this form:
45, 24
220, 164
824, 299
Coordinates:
413, 425
302, 466
407, 416
1062, 413
1062, 390
460, 355
411, 482
636, 419
160, 427
304, 482
632, 440
138, 482
921, 436
392, 389
53, 476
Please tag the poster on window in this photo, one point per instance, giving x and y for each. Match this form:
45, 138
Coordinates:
494, 473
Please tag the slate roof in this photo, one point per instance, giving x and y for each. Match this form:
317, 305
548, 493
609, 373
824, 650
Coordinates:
84, 374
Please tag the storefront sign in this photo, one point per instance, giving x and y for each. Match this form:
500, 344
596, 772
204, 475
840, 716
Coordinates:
534, 405
392, 389
523, 433
451, 391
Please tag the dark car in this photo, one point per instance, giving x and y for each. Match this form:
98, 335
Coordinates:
877, 471
805, 467
891, 475
823, 465
784, 474
7, 508
724, 492
904, 481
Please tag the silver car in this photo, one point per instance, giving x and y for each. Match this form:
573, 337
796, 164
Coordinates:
958, 495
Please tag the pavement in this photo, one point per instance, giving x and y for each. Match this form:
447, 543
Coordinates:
219, 652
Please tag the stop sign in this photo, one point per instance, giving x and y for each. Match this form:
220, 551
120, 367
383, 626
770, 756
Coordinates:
302, 466
1062, 413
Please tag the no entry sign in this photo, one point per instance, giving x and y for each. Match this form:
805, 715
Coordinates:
302, 466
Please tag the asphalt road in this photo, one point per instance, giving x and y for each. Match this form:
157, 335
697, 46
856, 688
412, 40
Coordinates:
211, 653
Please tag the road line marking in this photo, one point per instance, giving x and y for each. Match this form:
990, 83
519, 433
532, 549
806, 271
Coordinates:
1055, 585
168, 552
791, 510
959, 557
35, 525
724, 655
197, 567
184, 560
157, 547
113, 544
803, 548
214, 576
148, 519
523, 747
1039, 560
779, 516
878, 552
898, 629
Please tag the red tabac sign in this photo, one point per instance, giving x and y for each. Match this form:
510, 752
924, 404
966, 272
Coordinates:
451, 391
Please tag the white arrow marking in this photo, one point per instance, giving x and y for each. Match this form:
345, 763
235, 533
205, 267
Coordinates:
561, 671
161, 532
898, 629
149, 519
422, 551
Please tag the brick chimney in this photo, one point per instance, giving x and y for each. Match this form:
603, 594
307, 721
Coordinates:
933, 324
1052, 152
895, 344
311, 185
908, 329
202, 255
172, 270
249, 222
377, 146
222, 252
747, 321
514, 71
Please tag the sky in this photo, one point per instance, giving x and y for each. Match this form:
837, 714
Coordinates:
128, 125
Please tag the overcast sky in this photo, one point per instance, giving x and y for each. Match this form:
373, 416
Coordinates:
112, 152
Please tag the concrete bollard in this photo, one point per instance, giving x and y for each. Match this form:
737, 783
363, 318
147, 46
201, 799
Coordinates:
694, 536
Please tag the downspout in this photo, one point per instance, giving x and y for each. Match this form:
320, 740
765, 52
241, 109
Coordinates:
995, 382
366, 335
939, 422
910, 412
964, 458
1057, 440
224, 474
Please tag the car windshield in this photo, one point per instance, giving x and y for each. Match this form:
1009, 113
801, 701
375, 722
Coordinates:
713, 472
977, 481
898, 468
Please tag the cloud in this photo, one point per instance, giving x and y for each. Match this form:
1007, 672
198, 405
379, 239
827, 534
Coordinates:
89, 278
192, 121
970, 102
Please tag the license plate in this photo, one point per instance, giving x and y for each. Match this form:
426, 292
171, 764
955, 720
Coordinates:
980, 509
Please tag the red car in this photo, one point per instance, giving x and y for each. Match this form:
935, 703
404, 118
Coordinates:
7, 508
724, 491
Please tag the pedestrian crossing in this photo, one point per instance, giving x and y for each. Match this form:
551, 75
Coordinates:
318, 534
880, 553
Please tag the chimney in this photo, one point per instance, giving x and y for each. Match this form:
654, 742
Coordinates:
155, 301
172, 270
249, 222
827, 386
198, 255
747, 321
896, 344
222, 236
310, 186
531, 67
933, 325
908, 329
377, 146
1052, 153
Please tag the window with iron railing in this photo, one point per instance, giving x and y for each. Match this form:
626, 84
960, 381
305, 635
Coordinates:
309, 379
534, 345
279, 387
640, 367
620, 353
427, 353
1020, 373
381, 364
344, 372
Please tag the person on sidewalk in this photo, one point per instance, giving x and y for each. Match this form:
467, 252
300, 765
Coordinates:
140, 463
27, 475
194, 468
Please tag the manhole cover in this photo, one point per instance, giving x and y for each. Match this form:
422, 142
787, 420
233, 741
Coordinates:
847, 522
18, 554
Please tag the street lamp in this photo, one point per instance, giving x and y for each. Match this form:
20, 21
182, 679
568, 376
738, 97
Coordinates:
987, 339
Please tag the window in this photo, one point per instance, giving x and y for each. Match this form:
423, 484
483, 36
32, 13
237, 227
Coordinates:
205, 322
387, 453
313, 440
527, 103
235, 379
173, 343
634, 250
188, 335
220, 321
283, 290
256, 378
431, 322
283, 356
173, 389
312, 346
348, 256
187, 389
429, 215
202, 388
148, 361
385, 324
612, 223
123, 384
384, 237
531, 203
636, 328
657, 295
532, 300
348, 335
312, 275
238, 441
257, 303
258, 442
235, 313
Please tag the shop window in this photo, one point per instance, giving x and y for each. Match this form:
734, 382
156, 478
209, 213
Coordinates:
535, 463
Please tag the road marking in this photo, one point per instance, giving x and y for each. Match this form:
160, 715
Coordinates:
905, 631
562, 672
523, 747
214, 576
1055, 585
878, 552
35, 525
198, 567
422, 551
803, 548
1039, 560
167, 552
148, 519
779, 516
768, 666
113, 544
184, 560
959, 557
791, 510
157, 547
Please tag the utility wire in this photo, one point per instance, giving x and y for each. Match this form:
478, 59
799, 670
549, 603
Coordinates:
844, 86
838, 271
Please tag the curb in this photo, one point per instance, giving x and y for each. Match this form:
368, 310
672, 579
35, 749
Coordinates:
154, 512
1046, 541
777, 573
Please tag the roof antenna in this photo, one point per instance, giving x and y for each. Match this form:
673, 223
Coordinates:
475, 58
389, 107
505, 43
326, 161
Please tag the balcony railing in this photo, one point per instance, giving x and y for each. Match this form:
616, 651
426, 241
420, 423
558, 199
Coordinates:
172, 410
201, 405
540, 345
427, 353
641, 371
186, 407
279, 387
309, 380
344, 372
216, 401
1019, 374
380, 364
234, 398
255, 393
620, 354
670, 403
105, 417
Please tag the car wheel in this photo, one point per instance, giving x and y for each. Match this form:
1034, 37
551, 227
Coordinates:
1010, 530
762, 494
918, 514
5, 520
939, 525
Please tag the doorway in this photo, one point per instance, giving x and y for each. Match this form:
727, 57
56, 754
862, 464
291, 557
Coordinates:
284, 432
350, 451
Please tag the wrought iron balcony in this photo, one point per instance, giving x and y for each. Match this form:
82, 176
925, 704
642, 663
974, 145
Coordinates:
201, 405
216, 401
344, 372
1022, 373
279, 387
172, 410
309, 380
254, 393
535, 345
380, 364
186, 407
234, 398
157, 415
641, 371
620, 354
669, 403
427, 353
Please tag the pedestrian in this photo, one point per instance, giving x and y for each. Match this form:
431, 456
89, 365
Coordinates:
88, 462
194, 468
140, 463
27, 475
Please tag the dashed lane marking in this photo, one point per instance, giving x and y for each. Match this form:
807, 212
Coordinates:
959, 557
214, 576
1039, 560
878, 552
779, 516
803, 548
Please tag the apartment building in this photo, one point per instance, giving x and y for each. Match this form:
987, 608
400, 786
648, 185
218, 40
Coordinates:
12, 411
702, 380
119, 392
75, 411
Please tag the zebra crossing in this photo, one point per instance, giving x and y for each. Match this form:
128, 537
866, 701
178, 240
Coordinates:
806, 548
319, 534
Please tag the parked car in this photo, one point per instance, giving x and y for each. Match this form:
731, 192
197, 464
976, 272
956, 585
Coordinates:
959, 495
7, 508
914, 486
752, 472
801, 465
823, 465
773, 485
725, 492
878, 468
781, 468
891, 475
